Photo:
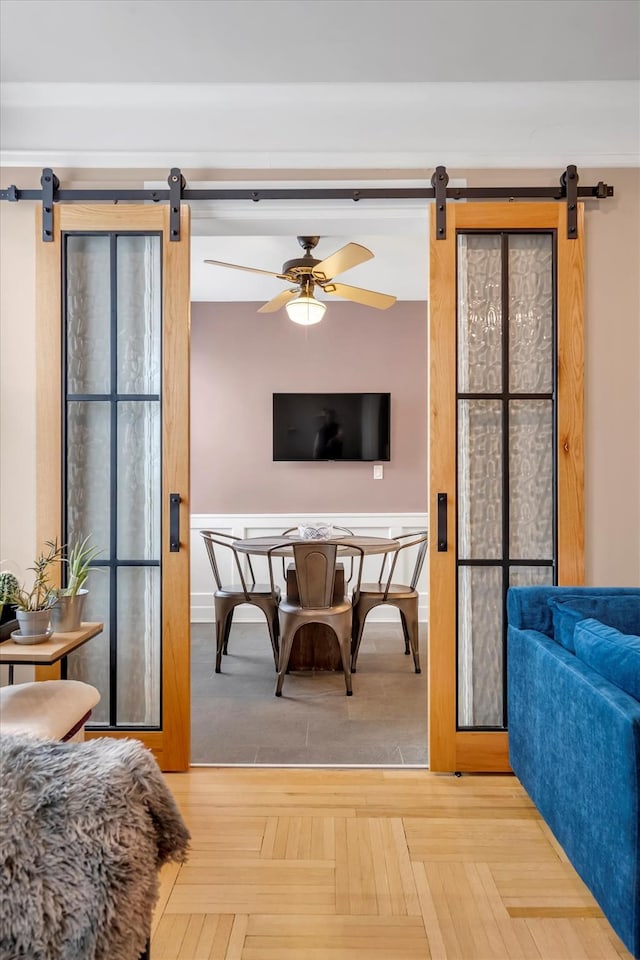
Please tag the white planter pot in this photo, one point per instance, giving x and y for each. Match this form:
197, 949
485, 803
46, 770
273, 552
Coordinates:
66, 613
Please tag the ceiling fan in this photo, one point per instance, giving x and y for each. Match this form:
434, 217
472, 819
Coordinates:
307, 273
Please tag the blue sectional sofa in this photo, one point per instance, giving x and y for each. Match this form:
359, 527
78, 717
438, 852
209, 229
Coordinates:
574, 732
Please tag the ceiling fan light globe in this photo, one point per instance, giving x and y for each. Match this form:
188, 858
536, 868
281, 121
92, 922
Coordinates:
305, 310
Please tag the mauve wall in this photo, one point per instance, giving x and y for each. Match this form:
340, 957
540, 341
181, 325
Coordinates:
239, 358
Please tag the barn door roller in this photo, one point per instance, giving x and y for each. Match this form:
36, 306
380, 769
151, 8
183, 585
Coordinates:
568, 190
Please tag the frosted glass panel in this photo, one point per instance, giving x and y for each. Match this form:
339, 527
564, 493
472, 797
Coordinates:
88, 473
138, 314
505, 490
530, 576
139, 480
113, 463
531, 479
479, 479
138, 690
530, 313
480, 694
88, 314
479, 313
91, 662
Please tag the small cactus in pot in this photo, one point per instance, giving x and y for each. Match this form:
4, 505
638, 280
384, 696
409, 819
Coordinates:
8, 586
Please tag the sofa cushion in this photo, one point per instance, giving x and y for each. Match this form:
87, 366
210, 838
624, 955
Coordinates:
621, 612
611, 653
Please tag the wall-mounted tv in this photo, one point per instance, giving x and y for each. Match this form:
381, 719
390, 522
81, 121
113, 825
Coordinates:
331, 426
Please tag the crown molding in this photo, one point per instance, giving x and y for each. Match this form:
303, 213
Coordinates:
323, 126
395, 163
315, 96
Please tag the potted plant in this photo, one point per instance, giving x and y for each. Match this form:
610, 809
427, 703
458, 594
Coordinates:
66, 615
8, 585
33, 604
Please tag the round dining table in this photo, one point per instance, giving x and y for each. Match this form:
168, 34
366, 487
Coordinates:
260, 546
315, 646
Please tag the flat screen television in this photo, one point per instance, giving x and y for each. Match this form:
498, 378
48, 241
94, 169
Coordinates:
331, 426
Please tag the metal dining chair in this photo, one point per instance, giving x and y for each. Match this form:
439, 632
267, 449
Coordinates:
315, 562
266, 596
400, 595
343, 530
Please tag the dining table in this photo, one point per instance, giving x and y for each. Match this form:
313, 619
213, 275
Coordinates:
315, 646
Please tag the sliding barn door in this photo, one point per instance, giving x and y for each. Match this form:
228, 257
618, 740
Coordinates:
505, 453
113, 455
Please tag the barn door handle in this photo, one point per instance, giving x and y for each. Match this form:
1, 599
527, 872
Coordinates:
174, 522
442, 523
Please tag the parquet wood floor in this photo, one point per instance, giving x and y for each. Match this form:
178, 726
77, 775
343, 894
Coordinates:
295, 864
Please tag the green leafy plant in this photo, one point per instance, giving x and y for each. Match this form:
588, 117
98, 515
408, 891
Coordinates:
80, 556
41, 595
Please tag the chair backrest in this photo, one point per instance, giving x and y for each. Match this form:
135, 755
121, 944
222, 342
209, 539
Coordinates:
215, 537
419, 540
337, 531
315, 571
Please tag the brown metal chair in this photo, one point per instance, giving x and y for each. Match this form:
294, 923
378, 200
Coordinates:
400, 595
266, 596
315, 562
343, 530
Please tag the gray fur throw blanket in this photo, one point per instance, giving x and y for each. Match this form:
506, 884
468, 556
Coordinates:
84, 828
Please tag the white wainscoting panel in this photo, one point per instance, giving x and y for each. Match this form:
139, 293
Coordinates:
266, 525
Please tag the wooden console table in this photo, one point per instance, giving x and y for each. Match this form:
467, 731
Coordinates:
48, 652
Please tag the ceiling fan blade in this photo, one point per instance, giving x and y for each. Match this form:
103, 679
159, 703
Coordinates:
381, 301
236, 266
343, 259
278, 301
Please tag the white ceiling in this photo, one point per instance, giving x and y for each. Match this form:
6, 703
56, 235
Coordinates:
378, 88
338, 41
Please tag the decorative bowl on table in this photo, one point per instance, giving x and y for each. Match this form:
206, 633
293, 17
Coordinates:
315, 531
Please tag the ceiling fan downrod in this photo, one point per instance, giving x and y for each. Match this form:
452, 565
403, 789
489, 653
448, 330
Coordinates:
308, 244
302, 266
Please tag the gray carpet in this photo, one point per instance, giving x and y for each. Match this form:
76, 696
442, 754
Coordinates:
237, 719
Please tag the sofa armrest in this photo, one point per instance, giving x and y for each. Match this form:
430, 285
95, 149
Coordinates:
574, 744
